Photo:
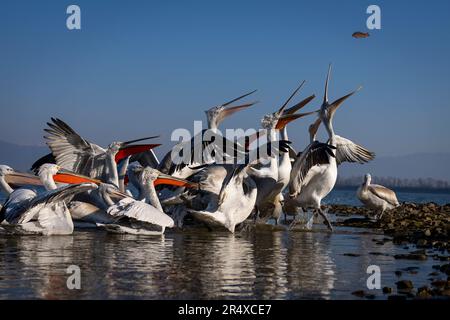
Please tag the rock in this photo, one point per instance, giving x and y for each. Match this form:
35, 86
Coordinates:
428, 232
439, 284
352, 254
446, 293
445, 268
411, 256
387, 290
359, 293
421, 243
404, 285
396, 297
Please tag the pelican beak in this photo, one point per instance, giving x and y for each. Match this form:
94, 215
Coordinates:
299, 105
128, 150
126, 143
68, 177
280, 111
238, 98
169, 180
231, 110
117, 195
22, 179
284, 120
337, 103
226, 112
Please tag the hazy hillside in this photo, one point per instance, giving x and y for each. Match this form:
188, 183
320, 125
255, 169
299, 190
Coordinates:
20, 157
423, 165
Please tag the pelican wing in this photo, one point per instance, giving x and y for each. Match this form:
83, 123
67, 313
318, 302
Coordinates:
348, 151
140, 211
55, 219
384, 193
70, 150
23, 207
146, 159
316, 153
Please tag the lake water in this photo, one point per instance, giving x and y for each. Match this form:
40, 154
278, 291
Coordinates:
198, 264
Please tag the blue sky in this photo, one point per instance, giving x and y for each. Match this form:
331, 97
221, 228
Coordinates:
139, 68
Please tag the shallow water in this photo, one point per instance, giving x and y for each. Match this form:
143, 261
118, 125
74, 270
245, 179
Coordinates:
198, 264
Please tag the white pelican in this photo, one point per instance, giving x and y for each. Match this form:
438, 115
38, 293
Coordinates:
140, 217
270, 185
376, 197
228, 192
44, 213
72, 152
314, 173
214, 117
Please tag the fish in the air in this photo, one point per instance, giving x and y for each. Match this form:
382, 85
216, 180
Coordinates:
360, 35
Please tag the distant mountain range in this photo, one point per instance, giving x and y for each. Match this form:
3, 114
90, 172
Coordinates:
20, 157
414, 166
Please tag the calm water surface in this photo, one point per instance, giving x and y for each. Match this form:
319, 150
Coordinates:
197, 264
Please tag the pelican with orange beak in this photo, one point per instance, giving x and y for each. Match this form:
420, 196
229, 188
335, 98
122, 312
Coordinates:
72, 152
314, 172
267, 176
45, 213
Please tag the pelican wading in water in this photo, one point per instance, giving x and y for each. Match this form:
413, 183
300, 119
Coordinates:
227, 193
376, 197
314, 172
27, 211
267, 177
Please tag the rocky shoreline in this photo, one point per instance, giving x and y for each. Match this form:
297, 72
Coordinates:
427, 226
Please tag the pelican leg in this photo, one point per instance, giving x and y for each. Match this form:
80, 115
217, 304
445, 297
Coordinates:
326, 221
380, 215
310, 221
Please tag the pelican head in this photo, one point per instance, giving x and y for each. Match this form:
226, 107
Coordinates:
217, 114
328, 109
367, 178
4, 170
153, 176
269, 121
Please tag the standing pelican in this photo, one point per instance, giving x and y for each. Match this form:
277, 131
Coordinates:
49, 209
376, 197
270, 186
228, 192
314, 174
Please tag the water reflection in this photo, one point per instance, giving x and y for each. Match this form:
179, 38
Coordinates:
190, 265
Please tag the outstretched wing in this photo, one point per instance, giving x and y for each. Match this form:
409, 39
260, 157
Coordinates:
348, 151
70, 150
140, 211
22, 207
316, 153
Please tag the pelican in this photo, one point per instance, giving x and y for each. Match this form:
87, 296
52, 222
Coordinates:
376, 197
140, 217
314, 172
228, 192
45, 213
270, 184
72, 152
214, 117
